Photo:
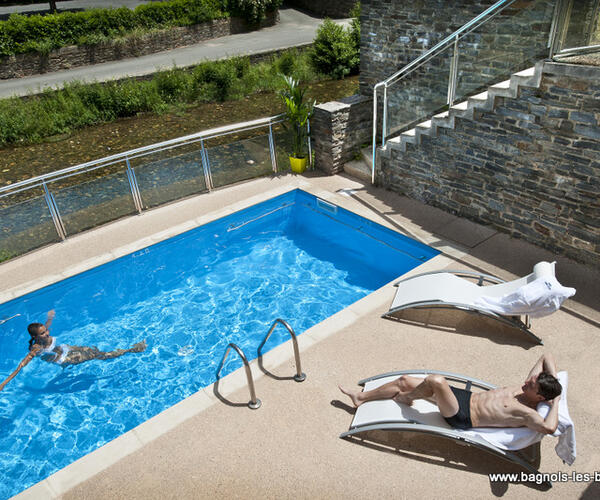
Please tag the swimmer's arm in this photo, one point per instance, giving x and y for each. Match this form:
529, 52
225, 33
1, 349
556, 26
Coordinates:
49, 318
534, 421
26, 359
545, 364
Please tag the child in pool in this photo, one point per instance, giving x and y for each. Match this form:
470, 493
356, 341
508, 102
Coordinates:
43, 345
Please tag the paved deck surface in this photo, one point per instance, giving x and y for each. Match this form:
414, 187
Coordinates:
212, 446
294, 29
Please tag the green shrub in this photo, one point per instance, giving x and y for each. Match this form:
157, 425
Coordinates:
286, 63
252, 10
334, 50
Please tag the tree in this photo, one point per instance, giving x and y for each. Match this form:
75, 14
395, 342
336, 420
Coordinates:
52, 6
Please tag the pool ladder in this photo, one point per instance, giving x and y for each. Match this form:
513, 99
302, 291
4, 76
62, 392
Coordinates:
254, 402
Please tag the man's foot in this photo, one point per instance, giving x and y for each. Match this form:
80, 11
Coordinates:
404, 399
139, 347
353, 395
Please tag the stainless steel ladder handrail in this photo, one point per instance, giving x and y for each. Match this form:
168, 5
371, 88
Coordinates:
254, 402
299, 377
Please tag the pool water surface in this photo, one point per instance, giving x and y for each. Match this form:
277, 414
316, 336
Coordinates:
294, 257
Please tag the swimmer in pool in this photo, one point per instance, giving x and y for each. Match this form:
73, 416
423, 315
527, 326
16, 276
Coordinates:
43, 345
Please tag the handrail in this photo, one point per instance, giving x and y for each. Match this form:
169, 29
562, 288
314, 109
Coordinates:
451, 39
254, 402
2, 321
460, 32
134, 153
299, 377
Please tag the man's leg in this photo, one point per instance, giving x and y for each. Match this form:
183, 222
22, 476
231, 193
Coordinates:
436, 386
405, 383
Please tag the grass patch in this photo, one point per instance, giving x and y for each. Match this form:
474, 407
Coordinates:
35, 118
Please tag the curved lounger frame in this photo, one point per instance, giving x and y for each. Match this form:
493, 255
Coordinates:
448, 433
513, 321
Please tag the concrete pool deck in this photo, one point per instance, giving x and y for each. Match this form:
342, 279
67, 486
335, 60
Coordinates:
212, 445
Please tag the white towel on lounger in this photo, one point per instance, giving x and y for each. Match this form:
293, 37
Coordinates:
539, 298
517, 438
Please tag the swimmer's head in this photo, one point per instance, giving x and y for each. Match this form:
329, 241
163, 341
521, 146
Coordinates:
36, 330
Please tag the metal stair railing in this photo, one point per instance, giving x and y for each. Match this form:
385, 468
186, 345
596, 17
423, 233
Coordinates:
447, 44
299, 377
254, 402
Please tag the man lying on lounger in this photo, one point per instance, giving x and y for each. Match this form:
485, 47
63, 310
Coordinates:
503, 407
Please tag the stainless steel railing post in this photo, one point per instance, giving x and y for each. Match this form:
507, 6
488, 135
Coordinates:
254, 402
133, 186
54, 213
272, 149
299, 377
385, 110
206, 167
310, 159
453, 74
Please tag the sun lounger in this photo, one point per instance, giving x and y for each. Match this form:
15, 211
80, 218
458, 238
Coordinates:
512, 444
537, 294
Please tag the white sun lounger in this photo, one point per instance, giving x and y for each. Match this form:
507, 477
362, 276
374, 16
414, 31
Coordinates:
424, 417
450, 289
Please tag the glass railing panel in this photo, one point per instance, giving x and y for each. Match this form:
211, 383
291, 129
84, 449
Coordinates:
582, 24
511, 41
284, 144
170, 174
240, 159
419, 95
25, 223
89, 199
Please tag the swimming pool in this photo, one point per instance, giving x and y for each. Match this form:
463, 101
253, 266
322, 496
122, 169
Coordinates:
295, 256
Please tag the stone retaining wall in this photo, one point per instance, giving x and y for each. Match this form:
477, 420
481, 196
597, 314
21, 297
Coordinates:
530, 167
21, 65
336, 9
395, 32
338, 130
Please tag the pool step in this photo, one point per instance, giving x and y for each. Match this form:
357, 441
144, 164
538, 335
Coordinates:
484, 101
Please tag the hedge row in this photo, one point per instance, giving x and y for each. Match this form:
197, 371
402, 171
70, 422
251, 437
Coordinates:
42, 33
78, 104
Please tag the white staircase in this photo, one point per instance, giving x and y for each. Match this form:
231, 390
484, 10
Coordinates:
485, 101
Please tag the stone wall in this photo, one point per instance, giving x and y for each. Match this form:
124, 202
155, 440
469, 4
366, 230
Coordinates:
73, 56
395, 32
336, 9
530, 167
338, 130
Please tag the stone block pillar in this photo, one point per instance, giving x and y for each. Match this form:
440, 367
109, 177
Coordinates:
339, 128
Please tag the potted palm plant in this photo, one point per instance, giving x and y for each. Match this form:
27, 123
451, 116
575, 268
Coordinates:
297, 113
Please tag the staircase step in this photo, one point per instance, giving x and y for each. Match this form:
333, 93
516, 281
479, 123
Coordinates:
480, 97
501, 85
483, 101
358, 169
526, 73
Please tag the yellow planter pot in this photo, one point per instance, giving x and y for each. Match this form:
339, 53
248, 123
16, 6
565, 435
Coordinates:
298, 164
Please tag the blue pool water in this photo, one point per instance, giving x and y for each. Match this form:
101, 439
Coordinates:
293, 257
